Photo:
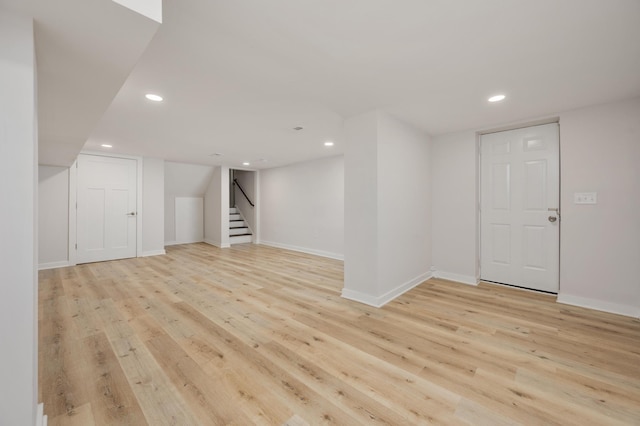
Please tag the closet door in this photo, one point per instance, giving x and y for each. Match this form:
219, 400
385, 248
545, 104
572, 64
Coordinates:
106, 210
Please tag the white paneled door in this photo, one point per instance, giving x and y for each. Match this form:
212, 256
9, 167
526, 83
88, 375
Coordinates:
519, 210
106, 211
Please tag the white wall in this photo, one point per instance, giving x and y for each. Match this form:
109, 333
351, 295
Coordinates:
53, 216
361, 205
181, 180
152, 207
454, 171
302, 207
18, 222
216, 209
404, 204
387, 208
247, 180
600, 244
189, 220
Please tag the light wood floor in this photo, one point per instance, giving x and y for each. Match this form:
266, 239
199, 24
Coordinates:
257, 335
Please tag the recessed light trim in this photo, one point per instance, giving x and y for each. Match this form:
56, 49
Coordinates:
328, 143
153, 97
246, 163
496, 98
106, 145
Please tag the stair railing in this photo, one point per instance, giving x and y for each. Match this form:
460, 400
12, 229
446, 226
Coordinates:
235, 182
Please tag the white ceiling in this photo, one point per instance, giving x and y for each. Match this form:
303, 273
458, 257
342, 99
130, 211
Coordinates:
85, 49
238, 75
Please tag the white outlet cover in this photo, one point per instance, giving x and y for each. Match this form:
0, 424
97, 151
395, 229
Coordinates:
585, 198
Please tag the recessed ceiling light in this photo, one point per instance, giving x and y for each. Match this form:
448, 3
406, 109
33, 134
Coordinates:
298, 128
216, 154
246, 163
496, 98
153, 97
328, 143
106, 145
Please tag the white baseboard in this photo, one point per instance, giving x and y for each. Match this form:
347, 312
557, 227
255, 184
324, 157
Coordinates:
464, 279
176, 243
599, 305
357, 296
41, 419
216, 243
315, 252
153, 253
53, 265
65, 263
379, 301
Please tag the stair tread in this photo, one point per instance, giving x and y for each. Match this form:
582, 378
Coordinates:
239, 231
239, 235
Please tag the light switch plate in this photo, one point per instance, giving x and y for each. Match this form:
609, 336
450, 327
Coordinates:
585, 198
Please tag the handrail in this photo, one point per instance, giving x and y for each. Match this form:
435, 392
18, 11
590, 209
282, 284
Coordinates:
235, 182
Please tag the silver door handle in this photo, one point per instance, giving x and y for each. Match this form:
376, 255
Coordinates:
556, 210
552, 219
131, 214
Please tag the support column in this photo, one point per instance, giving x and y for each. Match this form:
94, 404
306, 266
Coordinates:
387, 208
18, 218
361, 209
216, 209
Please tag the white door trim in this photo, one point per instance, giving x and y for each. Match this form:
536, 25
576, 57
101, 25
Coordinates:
256, 210
73, 198
73, 202
517, 126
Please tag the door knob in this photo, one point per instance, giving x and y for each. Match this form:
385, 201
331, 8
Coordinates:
552, 219
131, 214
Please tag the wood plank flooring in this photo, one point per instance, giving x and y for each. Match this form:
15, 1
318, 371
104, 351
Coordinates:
258, 335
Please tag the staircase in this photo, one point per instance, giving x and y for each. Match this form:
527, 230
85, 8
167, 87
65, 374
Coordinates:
239, 232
